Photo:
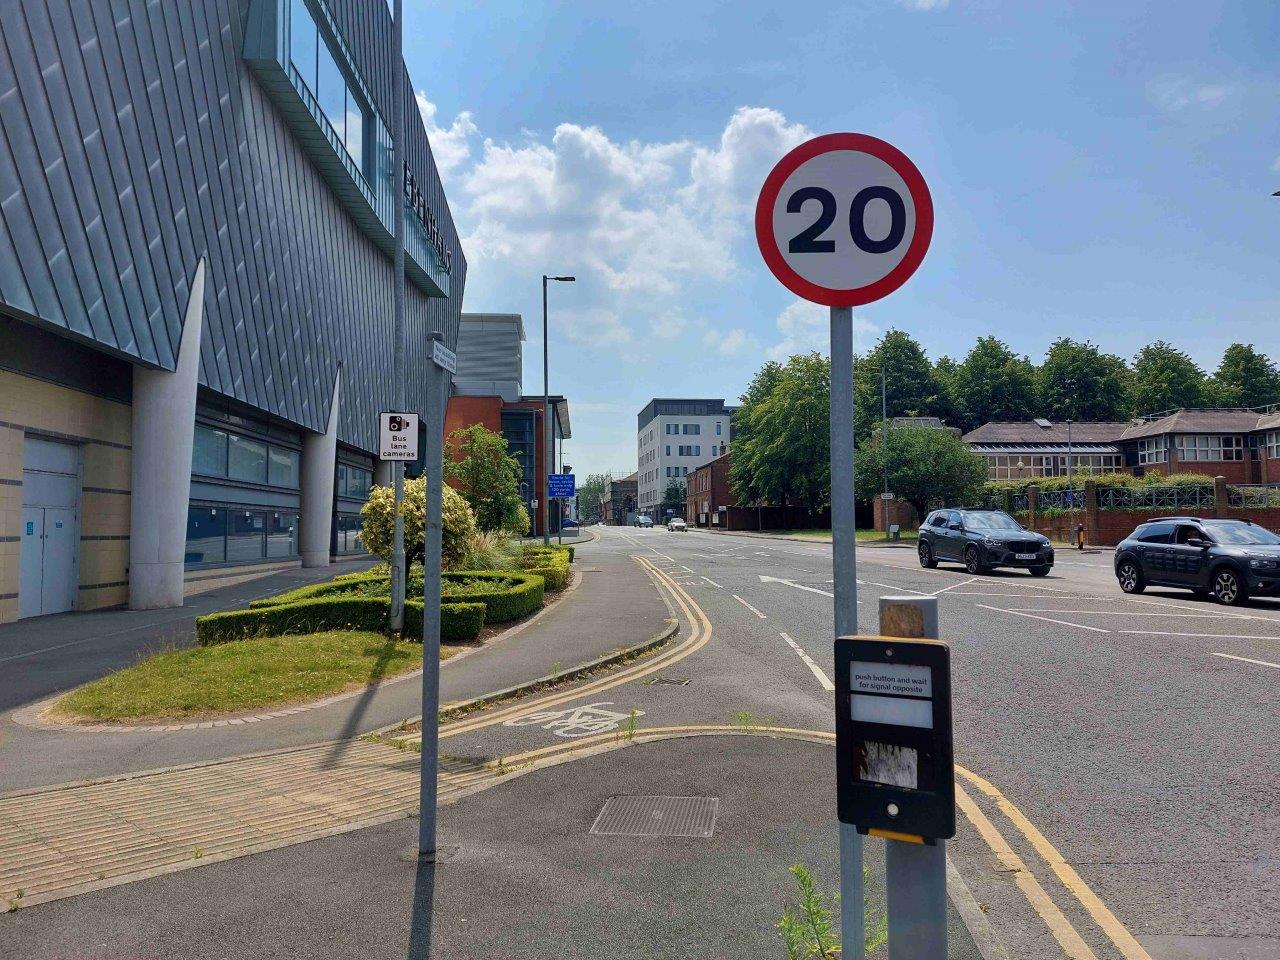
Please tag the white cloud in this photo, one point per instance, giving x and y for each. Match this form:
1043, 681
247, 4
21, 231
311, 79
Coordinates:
730, 343
806, 327
642, 224
451, 145
1176, 94
591, 326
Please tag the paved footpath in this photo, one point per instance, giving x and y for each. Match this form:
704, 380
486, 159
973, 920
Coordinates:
76, 837
612, 606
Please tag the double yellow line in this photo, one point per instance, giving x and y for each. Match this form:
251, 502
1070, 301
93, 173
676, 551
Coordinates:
700, 631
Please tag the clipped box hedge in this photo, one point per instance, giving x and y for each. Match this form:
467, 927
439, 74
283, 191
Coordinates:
460, 622
513, 595
556, 576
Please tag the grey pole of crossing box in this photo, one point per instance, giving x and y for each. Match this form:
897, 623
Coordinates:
844, 539
433, 532
915, 873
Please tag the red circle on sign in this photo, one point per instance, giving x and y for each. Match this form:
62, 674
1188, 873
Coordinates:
855, 296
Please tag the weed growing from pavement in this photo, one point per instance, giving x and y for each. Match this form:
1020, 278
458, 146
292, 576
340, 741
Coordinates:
629, 725
809, 930
15, 902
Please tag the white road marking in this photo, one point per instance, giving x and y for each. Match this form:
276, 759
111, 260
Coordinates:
1261, 663
575, 721
817, 670
798, 586
893, 586
1211, 636
713, 583
1127, 613
749, 607
1032, 616
953, 586
690, 569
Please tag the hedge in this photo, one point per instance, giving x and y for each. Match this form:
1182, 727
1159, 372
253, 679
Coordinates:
555, 575
514, 595
346, 584
459, 622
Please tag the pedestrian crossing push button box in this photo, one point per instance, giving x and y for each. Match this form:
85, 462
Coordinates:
894, 762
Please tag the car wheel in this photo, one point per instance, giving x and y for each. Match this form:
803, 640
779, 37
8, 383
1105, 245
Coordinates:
1130, 577
973, 560
927, 559
1039, 571
1228, 588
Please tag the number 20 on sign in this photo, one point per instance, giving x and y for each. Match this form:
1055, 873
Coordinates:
844, 219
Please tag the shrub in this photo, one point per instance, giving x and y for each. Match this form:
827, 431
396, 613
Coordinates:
379, 523
459, 622
506, 596
555, 576
491, 550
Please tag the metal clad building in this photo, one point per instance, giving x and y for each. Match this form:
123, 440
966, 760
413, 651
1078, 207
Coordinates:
221, 168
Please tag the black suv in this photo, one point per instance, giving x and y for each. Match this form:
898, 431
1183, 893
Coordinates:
1231, 559
982, 539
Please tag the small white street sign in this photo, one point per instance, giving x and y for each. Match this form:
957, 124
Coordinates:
886, 496
398, 436
443, 356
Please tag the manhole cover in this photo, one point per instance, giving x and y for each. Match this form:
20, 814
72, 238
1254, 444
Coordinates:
669, 681
657, 817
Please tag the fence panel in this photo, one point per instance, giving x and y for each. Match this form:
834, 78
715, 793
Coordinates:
1254, 496
1190, 497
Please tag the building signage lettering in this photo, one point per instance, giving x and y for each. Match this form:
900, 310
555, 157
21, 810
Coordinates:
417, 201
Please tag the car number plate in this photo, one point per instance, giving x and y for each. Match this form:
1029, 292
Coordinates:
1025, 556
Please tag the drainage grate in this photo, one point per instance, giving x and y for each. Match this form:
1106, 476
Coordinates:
669, 681
657, 817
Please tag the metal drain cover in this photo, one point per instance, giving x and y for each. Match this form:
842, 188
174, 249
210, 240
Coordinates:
657, 817
669, 681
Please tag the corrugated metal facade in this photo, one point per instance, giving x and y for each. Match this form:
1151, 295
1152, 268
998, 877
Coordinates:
490, 355
134, 140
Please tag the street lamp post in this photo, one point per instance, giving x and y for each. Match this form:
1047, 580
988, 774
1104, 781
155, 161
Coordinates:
548, 424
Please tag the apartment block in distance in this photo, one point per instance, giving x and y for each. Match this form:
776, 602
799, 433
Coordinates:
674, 438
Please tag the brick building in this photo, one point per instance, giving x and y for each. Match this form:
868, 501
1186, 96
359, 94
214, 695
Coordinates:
707, 493
487, 391
1240, 444
618, 502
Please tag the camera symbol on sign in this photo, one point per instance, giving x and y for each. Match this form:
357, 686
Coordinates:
397, 424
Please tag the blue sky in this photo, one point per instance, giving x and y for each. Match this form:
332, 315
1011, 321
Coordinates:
1099, 170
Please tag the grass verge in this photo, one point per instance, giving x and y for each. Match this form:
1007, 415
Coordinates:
202, 682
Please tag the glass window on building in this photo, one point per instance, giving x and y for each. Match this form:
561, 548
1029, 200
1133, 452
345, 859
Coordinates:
355, 483
318, 67
283, 468
282, 535
247, 459
206, 535
1273, 445
246, 536
718, 426
209, 452
347, 534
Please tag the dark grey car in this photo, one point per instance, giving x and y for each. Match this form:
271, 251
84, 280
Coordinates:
981, 540
1228, 559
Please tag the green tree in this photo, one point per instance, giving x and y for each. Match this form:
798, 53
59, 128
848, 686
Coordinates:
589, 495
1164, 377
742, 478
379, 513
477, 463
925, 466
1079, 382
911, 389
786, 454
673, 496
993, 383
1245, 378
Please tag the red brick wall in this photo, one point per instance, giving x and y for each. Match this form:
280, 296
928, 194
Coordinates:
1114, 525
463, 412
899, 512
709, 485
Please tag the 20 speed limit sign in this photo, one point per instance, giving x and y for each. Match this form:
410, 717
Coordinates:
844, 219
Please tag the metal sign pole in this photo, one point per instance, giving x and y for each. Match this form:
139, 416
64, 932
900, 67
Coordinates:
915, 873
844, 565
399, 386
437, 398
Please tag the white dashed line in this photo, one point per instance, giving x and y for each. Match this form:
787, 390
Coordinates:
713, 583
749, 607
817, 670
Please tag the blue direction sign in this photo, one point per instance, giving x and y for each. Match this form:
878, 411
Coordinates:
560, 486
